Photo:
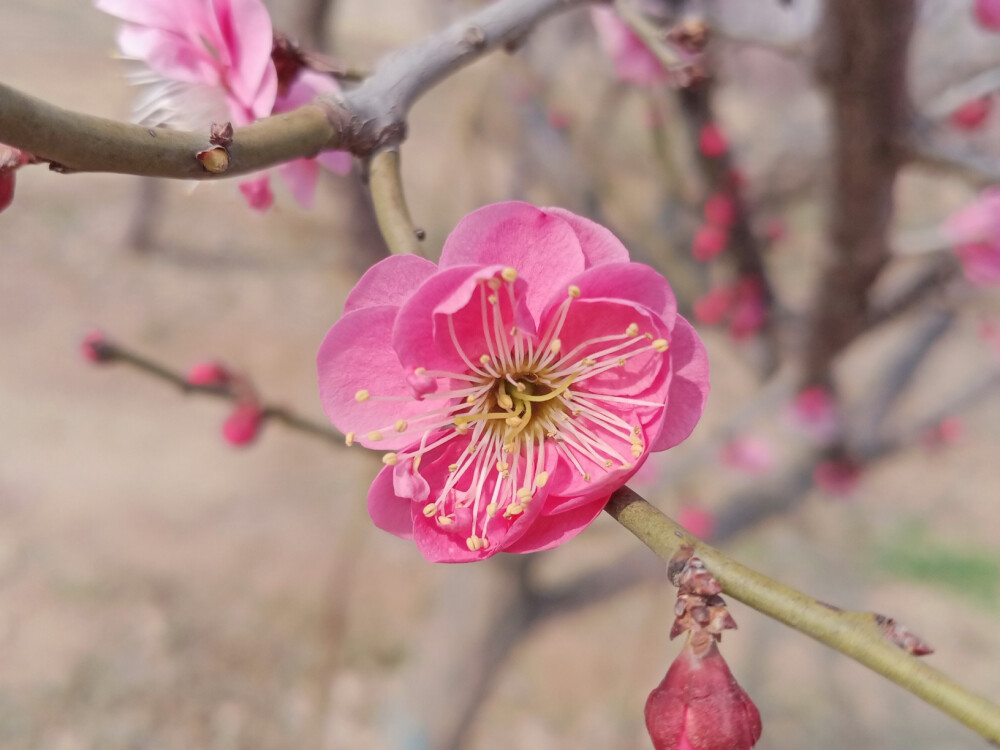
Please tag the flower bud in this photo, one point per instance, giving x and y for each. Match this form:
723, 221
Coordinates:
720, 209
712, 141
242, 426
709, 241
209, 373
699, 705
95, 347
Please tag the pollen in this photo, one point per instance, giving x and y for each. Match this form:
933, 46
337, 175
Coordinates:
524, 493
661, 345
445, 521
453, 467
374, 436
492, 299
541, 479
632, 330
555, 346
349, 439
574, 291
513, 509
474, 543
491, 510
419, 370
400, 425
509, 274
484, 359
502, 466
389, 459
362, 395
493, 284
636, 450
430, 509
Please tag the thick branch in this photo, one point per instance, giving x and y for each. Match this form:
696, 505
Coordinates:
864, 66
393, 216
75, 142
854, 634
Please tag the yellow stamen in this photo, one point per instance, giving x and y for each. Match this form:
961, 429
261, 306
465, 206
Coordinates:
389, 459
400, 425
491, 510
484, 359
632, 330
349, 439
430, 509
509, 274
362, 395
374, 436
513, 509
661, 345
636, 450
524, 493
445, 521
541, 479
493, 284
555, 346
574, 290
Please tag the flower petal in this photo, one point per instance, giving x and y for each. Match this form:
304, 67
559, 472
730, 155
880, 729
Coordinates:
389, 282
598, 243
258, 193
541, 246
634, 282
389, 511
356, 356
689, 386
246, 40
551, 531
301, 176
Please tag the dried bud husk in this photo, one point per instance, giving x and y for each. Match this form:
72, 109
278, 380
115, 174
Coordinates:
214, 160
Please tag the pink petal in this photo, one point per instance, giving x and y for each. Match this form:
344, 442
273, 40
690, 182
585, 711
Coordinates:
633, 61
633, 282
258, 193
301, 177
689, 386
977, 222
306, 86
389, 282
598, 243
541, 246
168, 54
245, 44
6, 189
551, 531
574, 491
423, 335
338, 162
980, 263
390, 512
988, 14
357, 355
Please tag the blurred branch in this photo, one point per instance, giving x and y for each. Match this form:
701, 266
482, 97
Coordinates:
854, 634
932, 280
391, 212
864, 66
110, 352
980, 85
950, 155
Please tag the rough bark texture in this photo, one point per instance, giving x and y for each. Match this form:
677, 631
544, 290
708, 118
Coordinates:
863, 64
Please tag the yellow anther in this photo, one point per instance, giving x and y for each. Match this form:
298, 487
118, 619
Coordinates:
509, 447
362, 395
349, 439
492, 299
400, 425
493, 284
513, 421
513, 330
661, 345
632, 330
389, 459
621, 361
513, 509
524, 493
472, 449
419, 370
430, 509
470, 399
445, 521
648, 336
588, 362
509, 274
374, 436
634, 438
574, 290
555, 346
586, 477
462, 427
416, 462
636, 450
608, 464
484, 359
474, 543
452, 467
502, 466
541, 478
491, 510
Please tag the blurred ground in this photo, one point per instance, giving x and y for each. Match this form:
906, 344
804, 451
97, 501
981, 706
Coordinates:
159, 589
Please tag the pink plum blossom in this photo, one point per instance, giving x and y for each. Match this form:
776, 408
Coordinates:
697, 520
516, 384
987, 12
633, 61
975, 233
210, 61
749, 454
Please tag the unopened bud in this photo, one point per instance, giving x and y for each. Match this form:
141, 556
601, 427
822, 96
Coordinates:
242, 426
95, 347
209, 373
214, 160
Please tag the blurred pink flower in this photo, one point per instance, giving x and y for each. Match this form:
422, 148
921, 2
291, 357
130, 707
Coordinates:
633, 61
946, 432
975, 233
210, 61
749, 311
697, 520
700, 706
987, 12
712, 307
749, 454
720, 209
517, 384
813, 413
973, 114
837, 477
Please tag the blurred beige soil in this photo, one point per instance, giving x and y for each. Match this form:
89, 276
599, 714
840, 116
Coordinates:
159, 589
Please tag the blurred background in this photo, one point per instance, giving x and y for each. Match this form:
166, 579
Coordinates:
162, 589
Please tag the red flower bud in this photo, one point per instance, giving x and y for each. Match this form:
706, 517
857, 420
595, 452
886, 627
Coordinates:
973, 114
700, 706
709, 241
95, 347
714, 305
209, 373
242, 426
720, 209
711, 141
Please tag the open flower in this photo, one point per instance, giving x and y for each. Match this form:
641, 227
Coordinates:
517, 384
208, 61
633, 61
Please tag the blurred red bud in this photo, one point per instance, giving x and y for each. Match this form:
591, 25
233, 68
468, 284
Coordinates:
95, 347
709, 241
973, 114
711, 141
720, 209
209, 373
242, 426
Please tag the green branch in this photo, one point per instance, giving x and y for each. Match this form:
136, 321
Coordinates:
854, 634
